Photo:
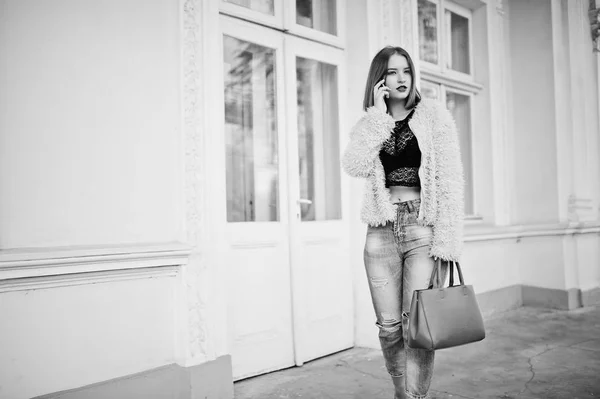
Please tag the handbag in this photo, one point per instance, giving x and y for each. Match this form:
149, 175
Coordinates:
444, 317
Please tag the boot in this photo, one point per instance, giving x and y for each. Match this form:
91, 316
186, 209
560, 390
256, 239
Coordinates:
400, 392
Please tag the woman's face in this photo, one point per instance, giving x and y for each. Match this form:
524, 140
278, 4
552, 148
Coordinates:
398, 77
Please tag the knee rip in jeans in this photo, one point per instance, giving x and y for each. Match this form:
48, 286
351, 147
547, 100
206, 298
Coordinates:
379, 282
389, 323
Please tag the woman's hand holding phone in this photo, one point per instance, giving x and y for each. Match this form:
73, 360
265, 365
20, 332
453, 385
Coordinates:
380, 93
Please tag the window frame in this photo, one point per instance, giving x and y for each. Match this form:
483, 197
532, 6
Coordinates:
472, 140
447, 79
426, 64
444, 37
468, 14
274, 21
284, 19
321, 52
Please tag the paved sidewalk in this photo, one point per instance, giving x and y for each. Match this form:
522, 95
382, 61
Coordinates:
528, 353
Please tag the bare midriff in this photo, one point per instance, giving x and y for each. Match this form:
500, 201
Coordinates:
403, 194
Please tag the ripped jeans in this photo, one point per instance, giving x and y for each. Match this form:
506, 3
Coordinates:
397, 262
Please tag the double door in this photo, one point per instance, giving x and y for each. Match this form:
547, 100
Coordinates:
285, 241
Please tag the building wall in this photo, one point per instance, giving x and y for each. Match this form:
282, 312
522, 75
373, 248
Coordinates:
91, 175
90, 122
106, 129
533, 128
73, 334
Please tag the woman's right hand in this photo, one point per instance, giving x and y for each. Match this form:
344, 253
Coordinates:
380, 93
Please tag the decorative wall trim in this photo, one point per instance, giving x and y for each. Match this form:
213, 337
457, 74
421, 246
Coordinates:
192, 313
41, 262
490, 233
407, 31
447, 81
500, 7
67, 280
387, 27
254, 245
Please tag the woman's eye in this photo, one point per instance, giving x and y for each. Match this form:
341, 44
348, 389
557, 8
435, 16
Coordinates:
391, 72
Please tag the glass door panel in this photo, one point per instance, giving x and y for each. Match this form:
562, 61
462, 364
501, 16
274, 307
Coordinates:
457, 29
250, 132
318, 140
428, 31
317, 14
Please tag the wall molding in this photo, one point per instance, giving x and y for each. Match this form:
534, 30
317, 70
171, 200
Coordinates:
490, 233
449, 81
197, 31
515, 296
105, 276
43, 262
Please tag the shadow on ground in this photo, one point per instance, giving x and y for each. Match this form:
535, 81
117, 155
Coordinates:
528, 353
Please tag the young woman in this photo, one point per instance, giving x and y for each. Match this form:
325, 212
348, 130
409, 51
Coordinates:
407, 149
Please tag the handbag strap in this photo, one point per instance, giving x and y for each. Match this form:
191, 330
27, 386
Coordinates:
436, 273
460, 275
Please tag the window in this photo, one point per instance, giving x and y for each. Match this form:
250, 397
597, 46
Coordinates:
250, 132
271, 78
318, 139
318, 20
446, 59
317, 14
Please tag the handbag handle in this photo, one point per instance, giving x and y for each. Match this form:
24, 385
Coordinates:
460, 275
437, 272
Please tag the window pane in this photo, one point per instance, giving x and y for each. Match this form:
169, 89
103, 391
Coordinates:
458, 48
318, 140
264, 6
428, 41
460, 107
430, 90
317, 14
250, 132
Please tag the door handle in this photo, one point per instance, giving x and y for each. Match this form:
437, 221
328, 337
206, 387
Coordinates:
303, 201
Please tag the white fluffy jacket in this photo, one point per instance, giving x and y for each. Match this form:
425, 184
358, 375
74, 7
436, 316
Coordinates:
441, 173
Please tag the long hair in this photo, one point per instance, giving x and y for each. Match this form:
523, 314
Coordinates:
378, 70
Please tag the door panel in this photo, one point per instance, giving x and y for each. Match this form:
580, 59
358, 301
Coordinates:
256, 253
321, 275
286, 232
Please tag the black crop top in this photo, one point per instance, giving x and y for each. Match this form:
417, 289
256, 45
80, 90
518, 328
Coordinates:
401, 157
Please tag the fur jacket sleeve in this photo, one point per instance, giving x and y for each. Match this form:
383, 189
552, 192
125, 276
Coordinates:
449, 219
366, 139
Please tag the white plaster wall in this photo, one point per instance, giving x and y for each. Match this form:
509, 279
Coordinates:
588, 262
90, 155
67, 337
533, 96
541, 262
89, 122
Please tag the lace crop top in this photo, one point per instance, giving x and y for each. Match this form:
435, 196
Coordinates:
401, 157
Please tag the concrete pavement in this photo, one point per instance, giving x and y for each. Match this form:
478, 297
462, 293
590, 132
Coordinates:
528, 353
